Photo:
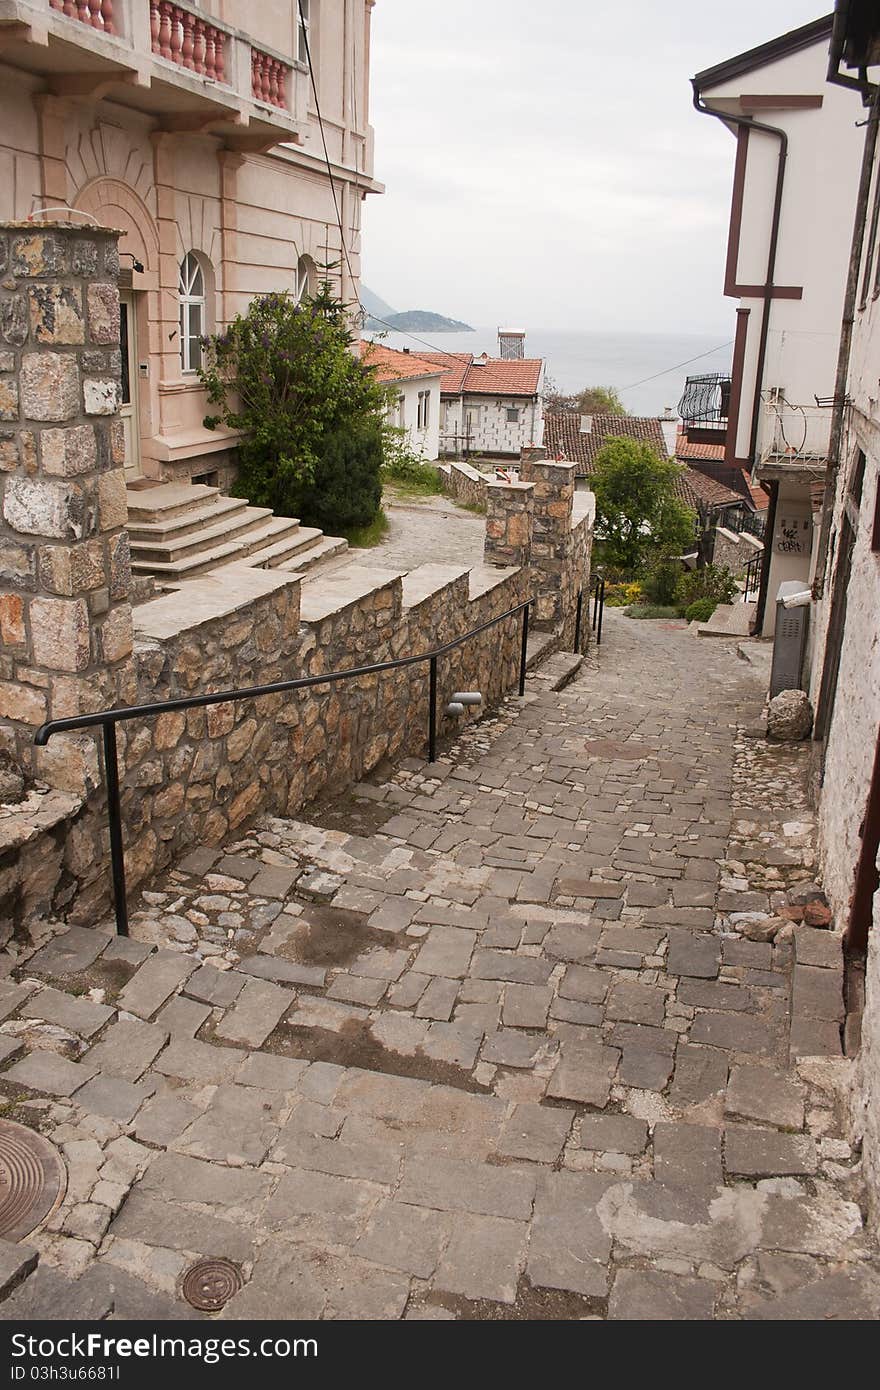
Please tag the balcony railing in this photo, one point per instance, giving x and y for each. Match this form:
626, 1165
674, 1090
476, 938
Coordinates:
793, 434
205, 74
96, 13
183, 38
706, 402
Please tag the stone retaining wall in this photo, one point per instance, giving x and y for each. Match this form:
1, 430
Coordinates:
190, 777
464, 483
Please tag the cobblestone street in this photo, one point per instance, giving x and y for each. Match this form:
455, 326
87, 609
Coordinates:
510, 1036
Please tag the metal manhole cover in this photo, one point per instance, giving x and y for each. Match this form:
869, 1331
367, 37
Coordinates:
209, 1284
33, 1180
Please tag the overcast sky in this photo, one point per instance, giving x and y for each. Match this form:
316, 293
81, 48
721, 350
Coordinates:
544, 165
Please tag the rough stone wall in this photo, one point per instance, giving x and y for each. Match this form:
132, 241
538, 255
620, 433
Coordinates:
191, 777
734, 551
464, 483
561, 543
866, 1090
509, 522
65, 618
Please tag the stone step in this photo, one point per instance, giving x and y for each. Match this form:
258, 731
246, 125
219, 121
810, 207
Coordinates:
167, 500
558, 670
315, 556
237, 527
729, 620
235, 550
283, 547
171, 527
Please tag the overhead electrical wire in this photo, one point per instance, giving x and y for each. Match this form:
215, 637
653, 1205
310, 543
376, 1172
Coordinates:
677, 366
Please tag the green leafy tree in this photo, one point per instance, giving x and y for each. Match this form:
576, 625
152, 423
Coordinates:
639, 519
600, 400
285, 376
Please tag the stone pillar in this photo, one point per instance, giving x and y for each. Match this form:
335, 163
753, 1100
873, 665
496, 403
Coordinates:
65, 617
551, 536
508, 523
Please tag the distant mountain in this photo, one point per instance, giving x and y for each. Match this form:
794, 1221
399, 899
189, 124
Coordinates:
380, 315
375, 306
423, 321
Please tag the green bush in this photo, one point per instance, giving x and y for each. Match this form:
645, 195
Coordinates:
403, 467
621, 593
708, 582
701, 610
285, 377
652, 610
346, 487
661, 580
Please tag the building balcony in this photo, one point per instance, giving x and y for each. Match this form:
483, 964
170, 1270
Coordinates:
704, 408
793, 439
168, 60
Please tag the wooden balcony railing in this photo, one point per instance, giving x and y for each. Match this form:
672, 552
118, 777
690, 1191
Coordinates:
96, 13
185, 39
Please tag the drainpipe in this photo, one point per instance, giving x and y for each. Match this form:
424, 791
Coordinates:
849, 312
749, 124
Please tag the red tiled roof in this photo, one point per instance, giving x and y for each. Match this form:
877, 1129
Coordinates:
391, 365
563, 437
694, 487
759, 495
455, 368
690, 449
491, 376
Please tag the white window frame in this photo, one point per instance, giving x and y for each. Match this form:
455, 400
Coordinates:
192, 291
303, 32
512, 414
305, 277
424, 409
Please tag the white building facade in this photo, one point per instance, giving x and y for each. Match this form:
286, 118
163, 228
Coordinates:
414, 395
797, 165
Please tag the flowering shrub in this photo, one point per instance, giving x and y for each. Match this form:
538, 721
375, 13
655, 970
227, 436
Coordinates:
284, 375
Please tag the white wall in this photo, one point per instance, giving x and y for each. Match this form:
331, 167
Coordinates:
425, 442
493, 433
821, 178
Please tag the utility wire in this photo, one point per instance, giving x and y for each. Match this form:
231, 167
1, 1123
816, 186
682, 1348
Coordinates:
667, 370
305, 34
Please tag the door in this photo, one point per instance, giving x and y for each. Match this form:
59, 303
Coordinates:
867, 879
128, 410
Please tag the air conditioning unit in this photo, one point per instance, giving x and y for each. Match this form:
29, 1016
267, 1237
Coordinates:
790, 637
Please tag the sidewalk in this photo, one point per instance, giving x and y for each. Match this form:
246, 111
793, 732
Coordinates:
485, 1039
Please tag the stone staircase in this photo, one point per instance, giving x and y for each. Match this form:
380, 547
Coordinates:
180, 531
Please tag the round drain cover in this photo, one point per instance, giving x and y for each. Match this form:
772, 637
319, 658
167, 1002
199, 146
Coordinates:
209, 1284
33, 1180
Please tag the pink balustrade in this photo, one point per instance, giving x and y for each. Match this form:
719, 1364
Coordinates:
269, 79
185, 39
98, 14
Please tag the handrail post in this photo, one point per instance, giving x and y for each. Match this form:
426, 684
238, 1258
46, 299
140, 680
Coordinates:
600, 594
114, 814
523, 650
595, 582
577, 620
432, 711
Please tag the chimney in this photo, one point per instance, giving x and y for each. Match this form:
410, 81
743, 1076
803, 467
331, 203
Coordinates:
669, 426
586, 424
511, 344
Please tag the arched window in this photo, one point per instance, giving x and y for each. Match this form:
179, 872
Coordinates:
193, 317
305, 282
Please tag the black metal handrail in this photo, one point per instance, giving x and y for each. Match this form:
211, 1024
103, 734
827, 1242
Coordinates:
753, 577
597, 583
107, 720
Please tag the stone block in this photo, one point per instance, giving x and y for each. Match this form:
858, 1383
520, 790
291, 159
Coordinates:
407, 1238
103, 302
535, 1132
49, 384
765, 1153
483, 1259
569, 1247
614, 1134
41, 253
9, 400
69, 452
100, 395
56, 314
657, 1296
60, 633
112, 500
36, 507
